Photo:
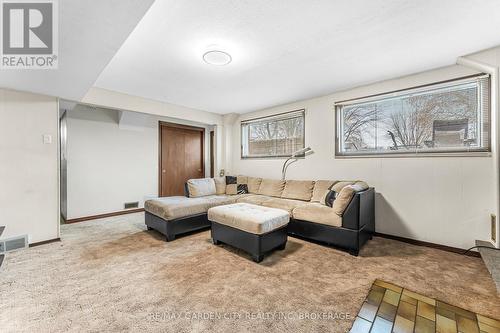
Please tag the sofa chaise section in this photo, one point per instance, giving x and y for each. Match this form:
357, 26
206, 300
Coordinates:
177, 215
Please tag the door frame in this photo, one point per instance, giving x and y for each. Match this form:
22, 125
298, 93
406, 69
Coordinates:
162, 124
212, 153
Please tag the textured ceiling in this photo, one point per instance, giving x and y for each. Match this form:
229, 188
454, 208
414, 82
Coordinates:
287, 50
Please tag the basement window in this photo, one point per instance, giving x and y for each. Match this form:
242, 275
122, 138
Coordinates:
275, 136
444, 118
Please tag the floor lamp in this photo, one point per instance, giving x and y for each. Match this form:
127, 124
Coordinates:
294, 158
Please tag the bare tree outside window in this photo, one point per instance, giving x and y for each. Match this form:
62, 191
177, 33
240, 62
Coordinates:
445, 117
356, 120
413, 126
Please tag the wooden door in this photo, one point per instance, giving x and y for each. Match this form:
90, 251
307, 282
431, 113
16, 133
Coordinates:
181, 157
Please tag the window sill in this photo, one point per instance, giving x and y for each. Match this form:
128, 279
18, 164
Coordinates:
418, 155
271, 158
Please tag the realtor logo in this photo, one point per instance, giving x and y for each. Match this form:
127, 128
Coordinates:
29, 34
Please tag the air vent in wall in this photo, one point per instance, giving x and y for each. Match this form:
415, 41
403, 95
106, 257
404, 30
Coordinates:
129, 205
13, 243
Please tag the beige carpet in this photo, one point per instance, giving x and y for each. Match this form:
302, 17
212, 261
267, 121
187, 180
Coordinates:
112, 275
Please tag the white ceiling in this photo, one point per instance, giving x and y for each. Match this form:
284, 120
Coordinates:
90, 33
282, 50
288, 50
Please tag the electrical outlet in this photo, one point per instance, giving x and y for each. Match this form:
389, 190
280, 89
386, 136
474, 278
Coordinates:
47, 139
493, 227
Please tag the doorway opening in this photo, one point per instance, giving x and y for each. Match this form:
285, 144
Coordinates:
112, 161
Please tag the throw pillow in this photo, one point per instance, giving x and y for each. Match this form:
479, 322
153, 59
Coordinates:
339, 195
201, 187
343, 200
329, 197
236, 185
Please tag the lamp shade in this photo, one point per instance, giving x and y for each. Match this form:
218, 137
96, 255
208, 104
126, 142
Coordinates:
301, 152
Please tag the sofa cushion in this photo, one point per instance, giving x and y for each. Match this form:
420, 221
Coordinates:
271, 187
285, 204
298, 189
220, 185
236, 197
317, 213
343, 199
254, 184
320, 187
254, 199
250, 218
360, 186
170, 208
236, 185
201, 187
331, 195
340, 184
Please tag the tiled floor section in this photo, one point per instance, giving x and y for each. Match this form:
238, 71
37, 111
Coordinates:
389, 308
491, 258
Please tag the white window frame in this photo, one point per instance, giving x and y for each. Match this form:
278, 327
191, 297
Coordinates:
484, 121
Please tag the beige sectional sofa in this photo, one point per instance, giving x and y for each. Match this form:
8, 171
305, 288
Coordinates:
339, 213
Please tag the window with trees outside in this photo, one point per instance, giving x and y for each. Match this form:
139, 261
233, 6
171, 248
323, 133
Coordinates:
447, 117
274, 136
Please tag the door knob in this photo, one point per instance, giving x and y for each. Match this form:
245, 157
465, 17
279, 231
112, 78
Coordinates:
199, 170
163, 171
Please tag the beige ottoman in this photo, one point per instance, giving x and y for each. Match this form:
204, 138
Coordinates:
251, 228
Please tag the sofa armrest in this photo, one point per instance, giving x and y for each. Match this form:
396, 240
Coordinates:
360, 213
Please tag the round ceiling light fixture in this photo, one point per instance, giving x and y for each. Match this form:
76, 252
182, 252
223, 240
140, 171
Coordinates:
217, 58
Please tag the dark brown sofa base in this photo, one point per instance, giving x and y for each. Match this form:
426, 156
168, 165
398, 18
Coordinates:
255, 245
350, 240
173, 228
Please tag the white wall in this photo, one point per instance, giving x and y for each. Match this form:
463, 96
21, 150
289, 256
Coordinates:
120, 101
444, 200
110, 164
488, 61
28, 168
176, 113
